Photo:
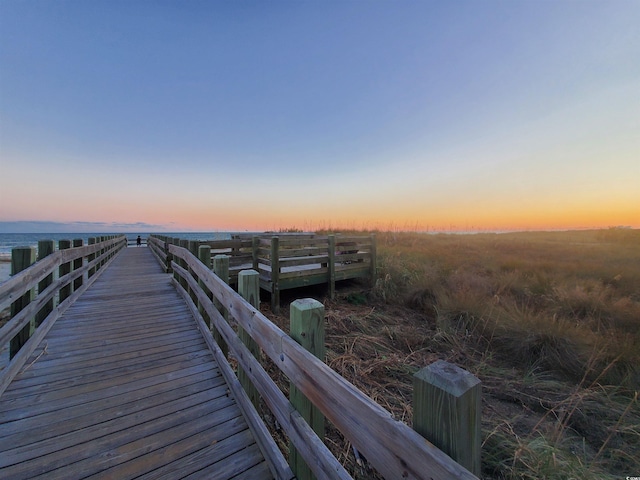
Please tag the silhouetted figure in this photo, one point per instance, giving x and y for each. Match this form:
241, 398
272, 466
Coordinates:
138, 241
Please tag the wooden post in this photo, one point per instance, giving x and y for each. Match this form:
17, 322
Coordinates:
249, 289
77, 264
169, 255
176, 241
193, 248
332, 266
102, 250
21, 258
447, 409
221, 269
275, 275
374, 261
255, 245
183, 264
306, 326
63, 270
45, 248
204, 255
91, 258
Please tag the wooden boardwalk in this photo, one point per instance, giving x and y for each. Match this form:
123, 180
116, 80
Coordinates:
124, 386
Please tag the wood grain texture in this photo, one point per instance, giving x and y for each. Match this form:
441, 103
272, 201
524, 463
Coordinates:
392, 447
123, 385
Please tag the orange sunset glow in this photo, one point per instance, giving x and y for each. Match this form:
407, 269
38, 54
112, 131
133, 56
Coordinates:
418, 116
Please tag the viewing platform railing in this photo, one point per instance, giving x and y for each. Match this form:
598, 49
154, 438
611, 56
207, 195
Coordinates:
290, 260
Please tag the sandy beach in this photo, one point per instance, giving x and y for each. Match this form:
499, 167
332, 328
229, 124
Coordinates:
5, 268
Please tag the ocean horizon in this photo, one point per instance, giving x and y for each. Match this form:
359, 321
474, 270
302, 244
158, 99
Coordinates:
9, 241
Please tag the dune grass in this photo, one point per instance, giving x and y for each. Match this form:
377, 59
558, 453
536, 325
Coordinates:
549, 321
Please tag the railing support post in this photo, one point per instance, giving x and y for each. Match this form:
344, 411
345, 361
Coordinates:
275, 274
249, 289
255, 245
193, 248
102, 251
184, 244
204, 255
64, 269
447, 409
45, 248
77, 264
332, 266
221, 269
307, 328
21, 258
176, 241
91, 258
168, 255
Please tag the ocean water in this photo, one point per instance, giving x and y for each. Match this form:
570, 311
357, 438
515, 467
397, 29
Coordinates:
9, 241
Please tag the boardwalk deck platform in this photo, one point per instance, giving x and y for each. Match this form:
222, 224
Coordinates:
124, 386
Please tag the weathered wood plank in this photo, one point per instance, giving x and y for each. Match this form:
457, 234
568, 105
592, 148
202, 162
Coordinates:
315, 453
119, 369
391, 446
123, 382
25, 426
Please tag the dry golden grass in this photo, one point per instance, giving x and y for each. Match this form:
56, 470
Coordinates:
549, 321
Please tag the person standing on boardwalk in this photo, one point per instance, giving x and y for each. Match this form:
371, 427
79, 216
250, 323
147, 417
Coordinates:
138, 241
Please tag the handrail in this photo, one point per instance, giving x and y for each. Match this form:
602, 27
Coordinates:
97, 255
392, 447
27, 279
291, 261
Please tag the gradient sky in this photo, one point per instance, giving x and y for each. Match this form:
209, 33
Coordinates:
252, 115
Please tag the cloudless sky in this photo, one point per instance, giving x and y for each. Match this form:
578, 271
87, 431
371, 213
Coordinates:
260, 115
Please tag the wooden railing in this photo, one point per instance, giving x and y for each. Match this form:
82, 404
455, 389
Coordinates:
392, 447
40, 291
290, 261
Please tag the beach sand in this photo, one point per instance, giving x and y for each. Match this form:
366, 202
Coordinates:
5, 269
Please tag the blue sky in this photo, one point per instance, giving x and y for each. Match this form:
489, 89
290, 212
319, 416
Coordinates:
259, 115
